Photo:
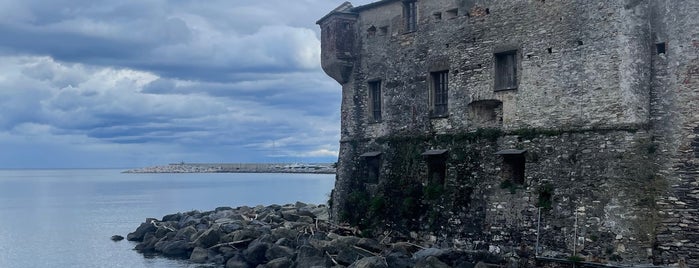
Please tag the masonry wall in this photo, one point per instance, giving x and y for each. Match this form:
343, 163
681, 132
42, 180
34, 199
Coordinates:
675, 102
603, 88
608, 124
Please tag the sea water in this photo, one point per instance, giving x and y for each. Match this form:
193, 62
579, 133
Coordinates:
65, 218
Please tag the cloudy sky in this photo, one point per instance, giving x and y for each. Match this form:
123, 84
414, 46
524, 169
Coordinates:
130, 83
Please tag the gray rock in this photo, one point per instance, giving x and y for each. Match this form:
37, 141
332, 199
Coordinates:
141, 231
370, 245
177, 248
209, 238
424, 253
277, 251
232, 263
245, 234
370, 262
399, 260
431, 262
283, 262
148, 244
347, 256
185, 233
305, 219
255, 253
308, 256
199, 255
173, 217
117, 238
230, 227
290, 215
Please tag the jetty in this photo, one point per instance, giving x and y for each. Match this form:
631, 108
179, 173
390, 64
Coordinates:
315, 168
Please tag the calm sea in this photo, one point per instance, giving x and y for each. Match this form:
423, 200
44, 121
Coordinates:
65, 218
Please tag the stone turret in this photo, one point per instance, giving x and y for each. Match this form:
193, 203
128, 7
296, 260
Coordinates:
338, 43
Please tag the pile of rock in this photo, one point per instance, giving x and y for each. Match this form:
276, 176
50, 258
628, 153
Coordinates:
296, 235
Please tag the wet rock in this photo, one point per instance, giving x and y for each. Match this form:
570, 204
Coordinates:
431, 262
209, 238
347, 256
199, 255
424, 253
370, 262
236, 264
141, 231
309, 256
173, 217
399, 260
283, 262
255, 253
276, 251
177, 248
117, 238
369, 244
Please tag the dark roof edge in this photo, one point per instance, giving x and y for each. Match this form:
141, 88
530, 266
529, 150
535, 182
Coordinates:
373, 5
344, 8
347, 9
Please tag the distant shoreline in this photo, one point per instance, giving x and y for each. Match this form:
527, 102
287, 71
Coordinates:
312, 168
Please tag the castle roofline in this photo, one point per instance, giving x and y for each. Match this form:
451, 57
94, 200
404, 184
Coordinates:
373, 5
345, 8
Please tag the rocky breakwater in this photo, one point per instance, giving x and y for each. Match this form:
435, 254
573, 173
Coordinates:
297, 235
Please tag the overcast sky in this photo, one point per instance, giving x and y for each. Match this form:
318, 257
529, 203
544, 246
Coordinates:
130, 83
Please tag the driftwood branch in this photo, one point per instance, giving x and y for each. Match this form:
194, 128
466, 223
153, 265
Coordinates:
154, 222
231, 244
364, 250
331, 258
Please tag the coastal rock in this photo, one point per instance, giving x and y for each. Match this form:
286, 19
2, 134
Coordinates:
144, 228
277, 251
177, 248
117, 238
283, 262
209, 238
370, 262
309, 256
251, 237
255, 253
199, 255
236, 264
431, 262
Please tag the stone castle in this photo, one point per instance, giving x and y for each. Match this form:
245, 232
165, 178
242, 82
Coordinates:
526, 127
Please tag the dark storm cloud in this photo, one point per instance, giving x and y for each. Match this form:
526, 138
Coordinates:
149, 82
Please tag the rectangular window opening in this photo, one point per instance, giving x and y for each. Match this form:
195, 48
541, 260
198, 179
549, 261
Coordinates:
514, 162
436, 171
440, 93
506, 70
452, 13
375, 100
437, 15
410, 15
383, 30
513, 168
660, 48
372, 167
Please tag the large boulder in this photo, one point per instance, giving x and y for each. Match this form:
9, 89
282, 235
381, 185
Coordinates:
209, 237
309, 256
255, 253
146, 227
431, 262
370, 262
277, 251
177, 248
279, 263
232, 263
199, 255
